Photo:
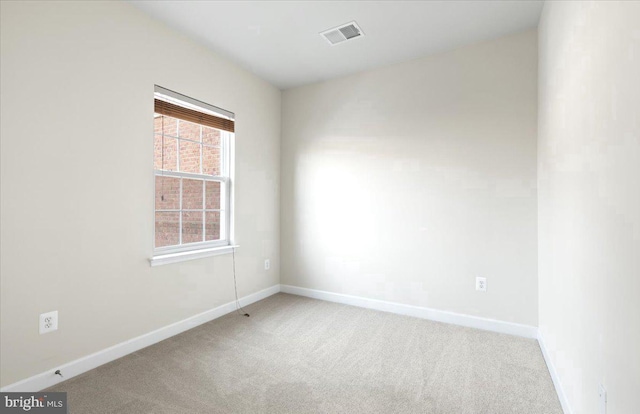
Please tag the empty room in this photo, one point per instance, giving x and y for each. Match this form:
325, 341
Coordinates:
426, 207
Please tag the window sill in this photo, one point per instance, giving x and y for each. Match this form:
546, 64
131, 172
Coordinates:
190, 255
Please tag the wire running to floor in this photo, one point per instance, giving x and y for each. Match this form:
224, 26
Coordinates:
235, 286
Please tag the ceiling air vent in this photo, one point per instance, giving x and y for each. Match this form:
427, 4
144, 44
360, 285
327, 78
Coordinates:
342, 33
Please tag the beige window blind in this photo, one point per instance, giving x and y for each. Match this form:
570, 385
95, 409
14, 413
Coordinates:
190, 115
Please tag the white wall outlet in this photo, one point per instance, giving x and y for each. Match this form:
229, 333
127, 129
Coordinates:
267, 264
481, 284
602, 398
48, 322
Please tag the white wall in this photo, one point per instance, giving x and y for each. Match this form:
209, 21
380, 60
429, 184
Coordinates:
77, 84
405, 183
589, 200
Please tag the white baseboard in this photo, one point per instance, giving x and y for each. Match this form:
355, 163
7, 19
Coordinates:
89, 362
71, 369
554, 376
418, 312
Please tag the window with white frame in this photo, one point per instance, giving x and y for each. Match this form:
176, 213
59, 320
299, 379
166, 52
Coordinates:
192, 157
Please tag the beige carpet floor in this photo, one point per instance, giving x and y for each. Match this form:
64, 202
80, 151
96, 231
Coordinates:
299, 355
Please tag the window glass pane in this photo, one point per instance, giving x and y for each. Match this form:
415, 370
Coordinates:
157, 124
167, 193
212, 225
166, 124
190, 148
210, 136
190, 157
167, 228
211, 160
212, 195
192, 226
188, 130
192, 194
168, 163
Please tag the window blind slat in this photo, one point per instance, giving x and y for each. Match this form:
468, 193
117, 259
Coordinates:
186, 114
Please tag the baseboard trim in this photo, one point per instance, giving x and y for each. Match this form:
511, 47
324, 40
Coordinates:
79, 366
486, 324
564, 402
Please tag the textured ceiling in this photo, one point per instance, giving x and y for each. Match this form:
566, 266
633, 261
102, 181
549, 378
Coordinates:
280, 41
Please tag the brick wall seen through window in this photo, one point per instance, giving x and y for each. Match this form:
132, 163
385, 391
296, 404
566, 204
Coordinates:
188, 208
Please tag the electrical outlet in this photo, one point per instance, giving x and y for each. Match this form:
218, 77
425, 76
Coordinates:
602, 397
267, 264
481, 284
48, 322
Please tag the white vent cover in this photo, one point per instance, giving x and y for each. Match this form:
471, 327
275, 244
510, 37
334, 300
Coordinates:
342, 33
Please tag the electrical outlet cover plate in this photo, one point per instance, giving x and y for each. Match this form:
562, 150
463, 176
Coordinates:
267, 264
48, 322
602, 394
481, 284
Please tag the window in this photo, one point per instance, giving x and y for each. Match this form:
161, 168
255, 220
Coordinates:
192, 157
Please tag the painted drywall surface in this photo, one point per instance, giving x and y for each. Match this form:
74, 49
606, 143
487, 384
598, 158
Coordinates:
406, 182
589, 200
77, 84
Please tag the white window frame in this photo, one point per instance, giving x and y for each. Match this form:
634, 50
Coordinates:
180, 252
